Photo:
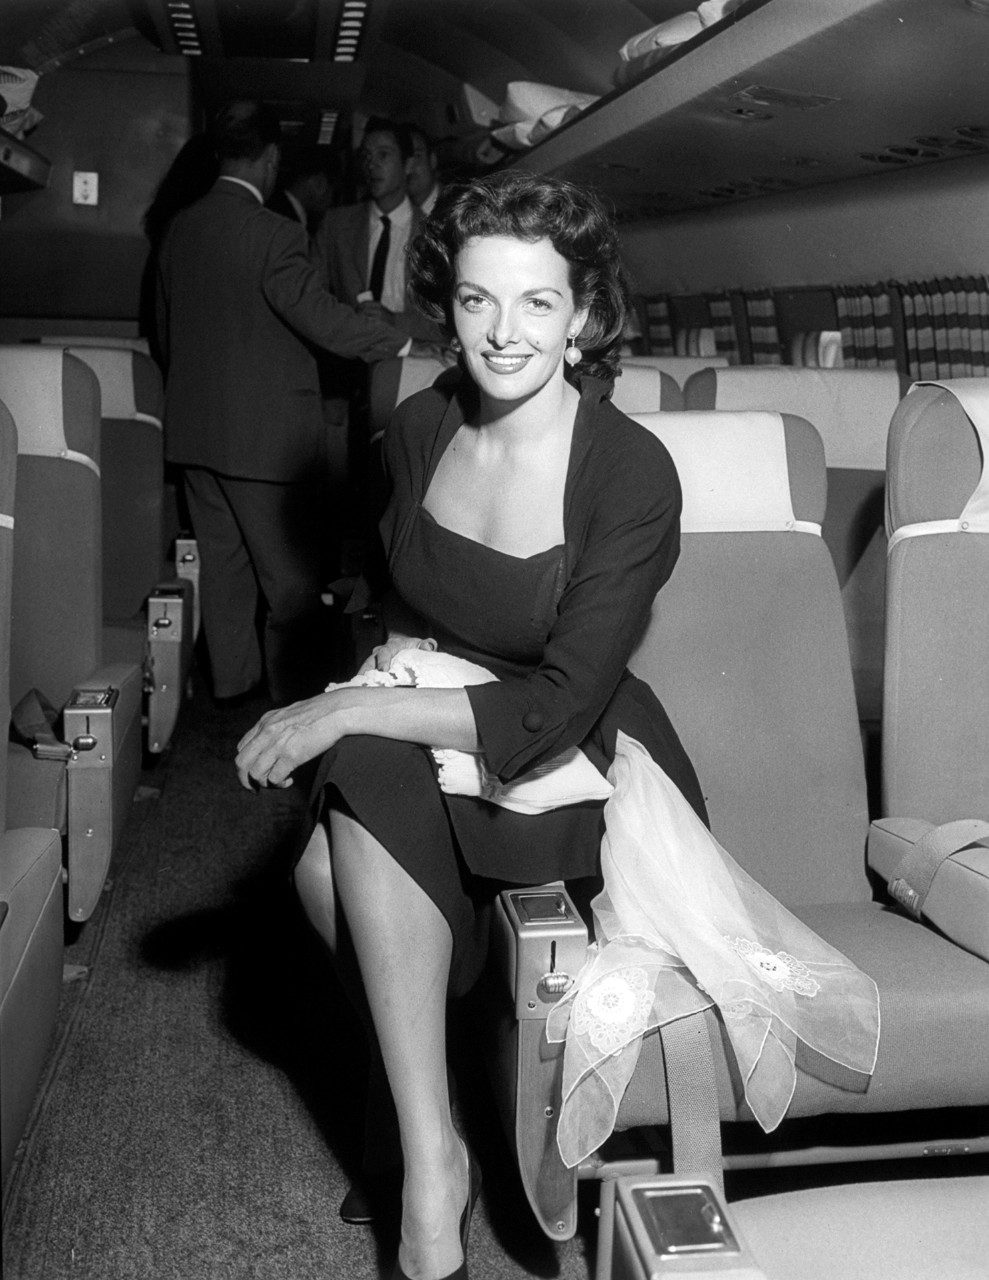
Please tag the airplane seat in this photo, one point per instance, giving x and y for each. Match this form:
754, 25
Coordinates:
646, 389
932, 845
30, 890
851, 409
392, 381
746, 649
641, 388
679, 368
148, 611
79, 773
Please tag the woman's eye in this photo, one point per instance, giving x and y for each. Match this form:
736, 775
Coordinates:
540, 305
472, 301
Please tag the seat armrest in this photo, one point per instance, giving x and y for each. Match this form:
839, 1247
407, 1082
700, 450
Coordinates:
102, 723
539, 943
957, 901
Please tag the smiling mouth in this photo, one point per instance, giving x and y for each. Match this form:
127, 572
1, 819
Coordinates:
505, 364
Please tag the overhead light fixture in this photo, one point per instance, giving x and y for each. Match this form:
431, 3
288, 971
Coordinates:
350, 28
185, 29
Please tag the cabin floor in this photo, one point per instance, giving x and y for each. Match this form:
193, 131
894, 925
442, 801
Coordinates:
203, 1105
204, 1100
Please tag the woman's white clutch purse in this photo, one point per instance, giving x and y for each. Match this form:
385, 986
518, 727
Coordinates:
568, 778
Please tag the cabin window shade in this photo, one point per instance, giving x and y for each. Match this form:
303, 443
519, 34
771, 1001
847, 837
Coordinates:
659, 331
865, 317
946, 325
725, 334
760, 308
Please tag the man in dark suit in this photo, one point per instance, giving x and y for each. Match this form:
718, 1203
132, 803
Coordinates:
239, 304
360, 251
361, 247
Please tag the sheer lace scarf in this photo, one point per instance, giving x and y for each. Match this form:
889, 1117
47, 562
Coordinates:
681, 926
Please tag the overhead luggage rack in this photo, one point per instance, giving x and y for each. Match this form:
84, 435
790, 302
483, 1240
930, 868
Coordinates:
779, 96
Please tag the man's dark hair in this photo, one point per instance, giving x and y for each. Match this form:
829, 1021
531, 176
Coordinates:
400, 132
242, 130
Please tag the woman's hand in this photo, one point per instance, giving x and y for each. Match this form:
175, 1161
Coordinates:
287, 737
382, 655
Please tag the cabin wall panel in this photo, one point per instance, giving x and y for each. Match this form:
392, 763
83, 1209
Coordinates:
917, 224
61, 259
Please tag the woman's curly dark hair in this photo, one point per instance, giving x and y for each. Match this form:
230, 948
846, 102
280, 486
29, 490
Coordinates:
529, 207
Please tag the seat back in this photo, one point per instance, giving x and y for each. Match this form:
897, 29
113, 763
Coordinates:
935, 723
679, 368
642, 388
851, 409
57, 611
132, 463
392, 381
746, 649
8, 479
645, 389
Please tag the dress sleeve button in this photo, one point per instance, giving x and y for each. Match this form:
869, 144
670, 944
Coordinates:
533, 721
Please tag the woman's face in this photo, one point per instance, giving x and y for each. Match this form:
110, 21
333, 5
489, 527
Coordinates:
513, 311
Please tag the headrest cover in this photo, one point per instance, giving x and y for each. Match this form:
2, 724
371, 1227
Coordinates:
31, 388
851, 408
95, 340
678, 367
418, 372
114, 368
638, 390
733, 470
938, 462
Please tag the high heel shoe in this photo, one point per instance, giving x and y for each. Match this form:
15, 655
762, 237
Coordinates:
473, 1190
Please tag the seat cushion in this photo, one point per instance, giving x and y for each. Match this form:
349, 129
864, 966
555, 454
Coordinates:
934, 1007
919, 1229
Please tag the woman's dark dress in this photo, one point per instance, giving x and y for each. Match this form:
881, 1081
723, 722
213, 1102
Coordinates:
500, 611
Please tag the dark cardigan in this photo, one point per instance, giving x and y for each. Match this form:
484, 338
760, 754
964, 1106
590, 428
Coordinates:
622, 506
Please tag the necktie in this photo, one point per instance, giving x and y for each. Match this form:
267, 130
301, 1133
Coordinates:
377, 280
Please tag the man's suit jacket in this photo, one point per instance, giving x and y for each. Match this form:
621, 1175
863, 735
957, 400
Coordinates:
239, 303
341, 246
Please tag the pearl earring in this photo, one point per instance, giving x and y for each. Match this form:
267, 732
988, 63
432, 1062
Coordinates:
573, 353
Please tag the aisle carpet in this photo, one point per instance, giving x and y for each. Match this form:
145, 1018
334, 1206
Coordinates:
204, 1097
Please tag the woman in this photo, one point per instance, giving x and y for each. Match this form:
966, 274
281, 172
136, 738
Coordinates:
529, 528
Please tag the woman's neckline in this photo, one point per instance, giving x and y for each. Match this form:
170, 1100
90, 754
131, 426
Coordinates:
496, 551
454, 417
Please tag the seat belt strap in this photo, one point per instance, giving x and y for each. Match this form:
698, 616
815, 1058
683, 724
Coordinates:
912, 880
692, 1091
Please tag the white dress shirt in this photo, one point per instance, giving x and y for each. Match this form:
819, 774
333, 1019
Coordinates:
429, 203
226, 177
296, 204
